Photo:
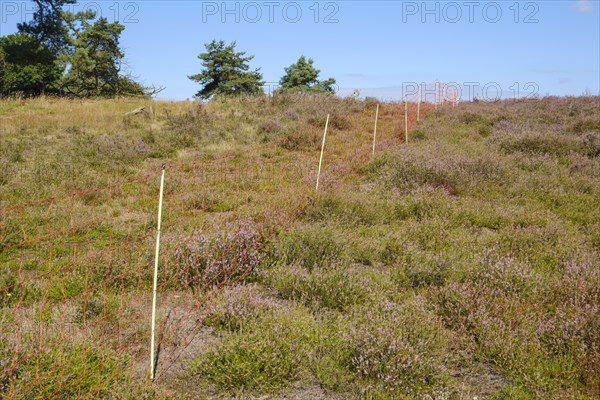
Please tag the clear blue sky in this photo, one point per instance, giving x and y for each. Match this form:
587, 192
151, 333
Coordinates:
377, 47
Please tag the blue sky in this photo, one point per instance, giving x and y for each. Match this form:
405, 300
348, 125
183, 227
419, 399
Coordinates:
381, 48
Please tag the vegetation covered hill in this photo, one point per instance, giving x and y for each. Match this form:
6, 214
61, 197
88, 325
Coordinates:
463, 264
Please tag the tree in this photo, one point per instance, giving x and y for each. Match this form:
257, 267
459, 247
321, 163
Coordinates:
95, 62
50, 24
3, 66
66, 53
226, 72
129, 87
303, 77
27, 66
30, 61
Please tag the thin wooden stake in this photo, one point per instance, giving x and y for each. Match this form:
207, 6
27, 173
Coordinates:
436, 94
454, 99
419, 105
375, 130
155, 284
322, 150
444, 95
405, 119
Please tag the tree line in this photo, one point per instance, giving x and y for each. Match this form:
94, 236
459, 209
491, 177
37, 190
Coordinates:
227, 72
77, 54
63, 53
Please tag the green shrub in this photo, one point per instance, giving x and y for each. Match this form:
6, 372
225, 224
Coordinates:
418, 134
397, 351
411, 174
65, 287
391, 249
481, 218
418, 209
267, 356
329, 362
416, 269
340, 122
336, 289
452, 176
11, 234
541, 144
333, 208
591, 144
471, 118
363, 253
300, 139
83, 372
484, 130
233, 309
228, 253
310, 248
586, 125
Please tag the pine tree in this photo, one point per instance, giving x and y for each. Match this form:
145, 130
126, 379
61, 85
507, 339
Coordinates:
226, 72
303, 77
50, 24
65, 53
95, 61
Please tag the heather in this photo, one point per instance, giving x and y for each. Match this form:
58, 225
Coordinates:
463, 264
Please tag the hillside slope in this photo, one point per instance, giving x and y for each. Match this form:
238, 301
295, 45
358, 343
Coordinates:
464, 263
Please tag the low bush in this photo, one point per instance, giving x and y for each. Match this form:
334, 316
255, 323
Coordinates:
334, 289
267, 356
397, 351
31, 371
310, 248
417, 269
229, 253
334, 208
235, 308
300, 139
